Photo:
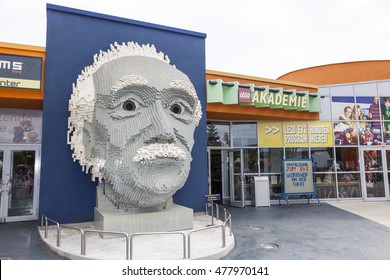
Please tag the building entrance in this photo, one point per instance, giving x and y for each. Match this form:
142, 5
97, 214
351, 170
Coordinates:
19, 182
375, 167
231, 174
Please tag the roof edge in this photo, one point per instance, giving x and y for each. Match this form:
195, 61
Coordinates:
267, 80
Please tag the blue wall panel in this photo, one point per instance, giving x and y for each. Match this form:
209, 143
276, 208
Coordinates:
73, 37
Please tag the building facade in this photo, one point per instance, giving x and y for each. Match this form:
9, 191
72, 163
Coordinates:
348, 140
21, 103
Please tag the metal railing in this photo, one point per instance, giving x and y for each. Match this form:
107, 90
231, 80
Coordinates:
84, 240
226, 222
157, 233
203, 229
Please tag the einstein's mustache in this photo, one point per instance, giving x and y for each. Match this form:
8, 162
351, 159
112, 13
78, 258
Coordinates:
157, 151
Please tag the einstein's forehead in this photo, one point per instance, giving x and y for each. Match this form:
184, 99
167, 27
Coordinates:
138, 70
136, 80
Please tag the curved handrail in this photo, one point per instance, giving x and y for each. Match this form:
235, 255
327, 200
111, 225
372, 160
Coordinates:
203, 229
84, 239
157, 233
129, 240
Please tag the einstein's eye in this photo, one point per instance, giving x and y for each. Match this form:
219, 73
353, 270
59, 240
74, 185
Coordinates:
176, 109
129, 105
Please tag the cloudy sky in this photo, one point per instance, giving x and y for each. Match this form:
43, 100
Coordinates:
264, 38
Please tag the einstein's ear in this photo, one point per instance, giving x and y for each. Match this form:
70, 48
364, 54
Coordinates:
87, 140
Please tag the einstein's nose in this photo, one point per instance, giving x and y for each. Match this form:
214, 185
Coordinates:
161, 130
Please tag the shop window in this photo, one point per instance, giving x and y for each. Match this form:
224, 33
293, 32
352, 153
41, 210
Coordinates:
373, 160
370, 133
326, 185
322, 159
275, 186
345, 133
270, 160
297, 152
251, 161
325, 114
386, 132
342, 107
367, 113
385, 117
348, 176
347, 159
244, 134
349, 185
218, 134
375, 184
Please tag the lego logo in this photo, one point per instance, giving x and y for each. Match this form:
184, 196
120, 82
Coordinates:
245, 95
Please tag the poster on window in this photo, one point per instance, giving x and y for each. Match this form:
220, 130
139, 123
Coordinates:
19, 126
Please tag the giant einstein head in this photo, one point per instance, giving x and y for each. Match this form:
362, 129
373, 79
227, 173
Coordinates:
132, 120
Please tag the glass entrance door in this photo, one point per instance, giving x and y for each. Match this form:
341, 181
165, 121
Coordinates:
19, 174
219, 174
375, 173
237, 192
243, 168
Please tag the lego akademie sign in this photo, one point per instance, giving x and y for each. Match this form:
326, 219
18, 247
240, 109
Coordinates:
261, 96
21, 72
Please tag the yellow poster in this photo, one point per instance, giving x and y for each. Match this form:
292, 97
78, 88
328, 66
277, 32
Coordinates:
270, 134
320, 134
295, 134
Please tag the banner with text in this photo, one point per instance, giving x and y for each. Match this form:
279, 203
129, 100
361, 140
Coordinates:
295, 134
23, 72
20, 126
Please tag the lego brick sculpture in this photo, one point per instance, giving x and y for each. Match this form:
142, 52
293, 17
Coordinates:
132, 120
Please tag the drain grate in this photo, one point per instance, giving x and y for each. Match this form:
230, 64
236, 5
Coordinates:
269, 245
255, 227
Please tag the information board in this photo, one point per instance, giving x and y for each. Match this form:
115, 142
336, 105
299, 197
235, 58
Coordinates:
298, 179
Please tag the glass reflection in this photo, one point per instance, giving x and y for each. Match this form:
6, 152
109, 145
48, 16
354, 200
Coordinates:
270, 160
375, 184
250, 161
244, 134
373, 160
349, 185
347, 159
249, 185
218, 134
323, 158
326, 185
297, 152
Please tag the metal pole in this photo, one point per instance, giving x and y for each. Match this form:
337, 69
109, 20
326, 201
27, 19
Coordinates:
83, 245
184, 246
212, 212
189, 245
131, 246
127, 248
223, 237
58, 235
46, 222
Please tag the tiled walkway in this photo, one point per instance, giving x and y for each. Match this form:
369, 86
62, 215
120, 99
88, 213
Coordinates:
330, 231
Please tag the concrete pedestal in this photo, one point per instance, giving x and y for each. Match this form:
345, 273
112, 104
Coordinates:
109, 218
175, 218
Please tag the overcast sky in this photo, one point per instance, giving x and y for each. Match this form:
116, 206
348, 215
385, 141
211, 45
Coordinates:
264, 38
